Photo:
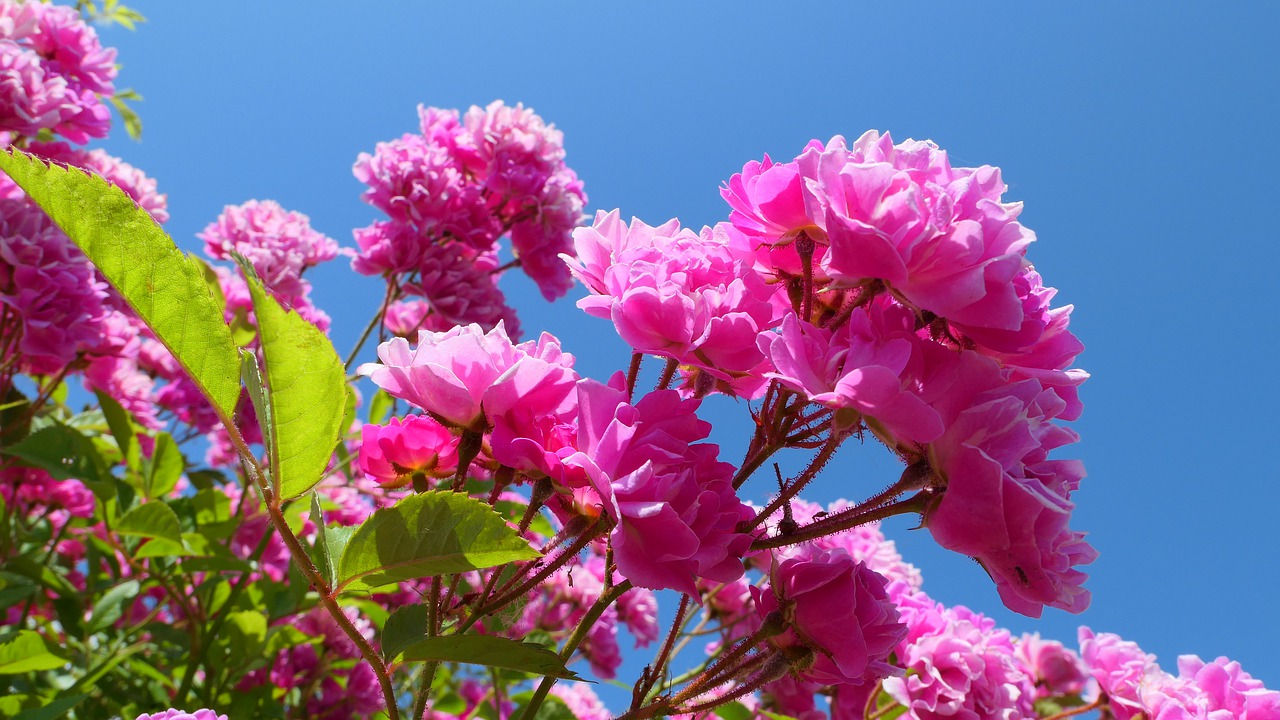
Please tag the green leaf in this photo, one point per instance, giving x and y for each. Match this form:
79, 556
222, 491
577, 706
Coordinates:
491, 651
380, 407
151, 520
251, 374
65, 454
121, 426
428, 534
165, 467
109, 607
734, 711
246, 635
27, 651
56, 708
406, 626
132, 123
162, 285
306, 392
15, 423
329, 545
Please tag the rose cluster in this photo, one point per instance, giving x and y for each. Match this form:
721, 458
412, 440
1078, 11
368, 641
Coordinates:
886, 291
54, 73
450, 193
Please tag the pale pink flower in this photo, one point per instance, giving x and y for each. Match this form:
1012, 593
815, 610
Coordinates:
1219, 690
171, 714
1121, 669
959, 665
1056, 670
582, 700
448, 373
674, 293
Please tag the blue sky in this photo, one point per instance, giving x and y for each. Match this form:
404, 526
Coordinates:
1140, 136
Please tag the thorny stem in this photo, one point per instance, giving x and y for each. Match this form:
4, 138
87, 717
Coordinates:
787, 493
841, 521
774, 668
720, 670
633, 373
556, 563
668, 373
656, 670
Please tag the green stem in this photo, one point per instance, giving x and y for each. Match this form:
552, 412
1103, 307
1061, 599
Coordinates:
579, 634
392, 293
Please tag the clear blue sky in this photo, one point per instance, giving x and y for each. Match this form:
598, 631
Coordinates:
1140, 135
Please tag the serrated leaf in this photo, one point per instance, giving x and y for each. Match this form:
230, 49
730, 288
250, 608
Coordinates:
490, 651
406, 626
428, 534
151, 520
306, 392
65, 454
27, 651
165, 467
162, 285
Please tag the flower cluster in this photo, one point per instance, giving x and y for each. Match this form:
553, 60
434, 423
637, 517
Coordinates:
451, 192
873, 287
54, 73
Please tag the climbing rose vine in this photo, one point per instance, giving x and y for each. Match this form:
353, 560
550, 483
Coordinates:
463, 525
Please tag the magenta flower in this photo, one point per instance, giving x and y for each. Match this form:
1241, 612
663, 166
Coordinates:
938, 237
51, 288
874, 364
1006, 503
839, 610
498, 170
674, 293
960, 665
679, 525
280, 244
53, 71
1121, 668
394, 453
